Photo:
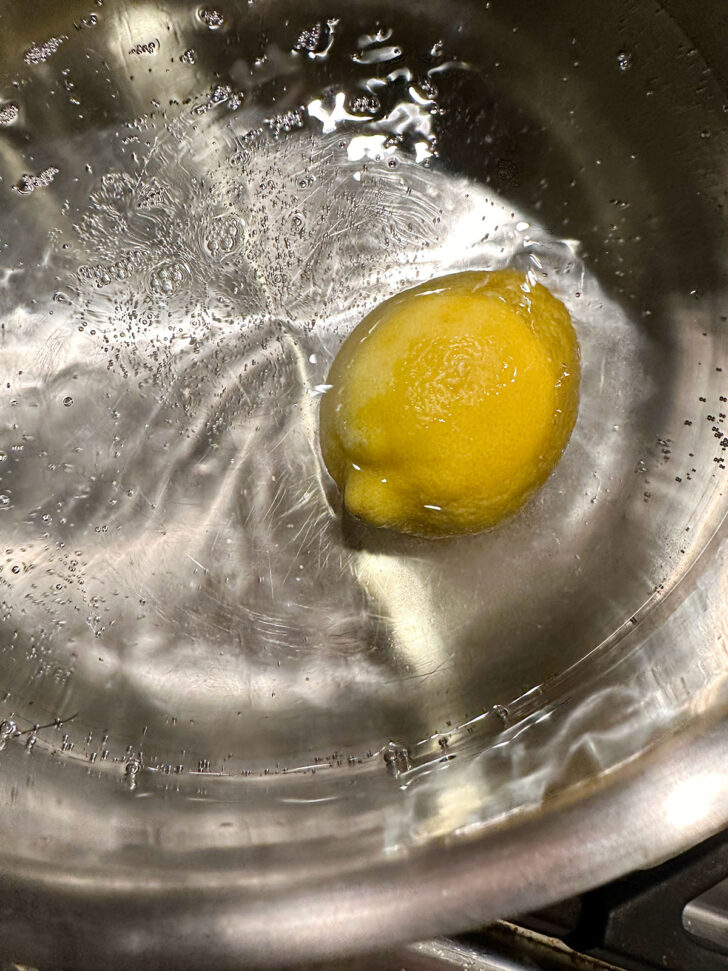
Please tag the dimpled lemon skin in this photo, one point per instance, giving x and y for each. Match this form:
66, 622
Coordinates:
451, 403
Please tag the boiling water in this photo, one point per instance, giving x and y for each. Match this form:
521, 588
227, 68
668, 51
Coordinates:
184, 252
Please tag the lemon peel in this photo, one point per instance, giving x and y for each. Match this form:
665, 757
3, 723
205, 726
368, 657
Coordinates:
450, 403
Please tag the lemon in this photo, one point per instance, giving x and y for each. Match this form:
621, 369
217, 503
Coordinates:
450, 403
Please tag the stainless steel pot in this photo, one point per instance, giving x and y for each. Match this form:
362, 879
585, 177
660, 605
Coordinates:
237, 731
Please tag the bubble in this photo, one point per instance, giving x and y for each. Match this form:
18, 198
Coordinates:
9, 112
8, 729
624, 60
221, 94
67, 401
428, 88
167, 278
28, 183
123, 269
309, 39
286, 122
4, 500
189, 56
365, 104
211, 18
501, 712
151, 196
316, 41
224, 236
396, 757
131, 772
149, 47
39, 53
99, 274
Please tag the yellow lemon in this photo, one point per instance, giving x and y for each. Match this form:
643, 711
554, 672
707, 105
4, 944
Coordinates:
450, 403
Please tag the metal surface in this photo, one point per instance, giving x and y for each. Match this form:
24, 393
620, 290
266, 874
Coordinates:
706, 917
645, 920
537, 953
504, 947
235, 731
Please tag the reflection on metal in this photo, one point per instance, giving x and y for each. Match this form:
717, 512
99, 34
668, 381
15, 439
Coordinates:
706, 917
694, 801
503, 947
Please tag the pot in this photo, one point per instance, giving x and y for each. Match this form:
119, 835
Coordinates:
236, 730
